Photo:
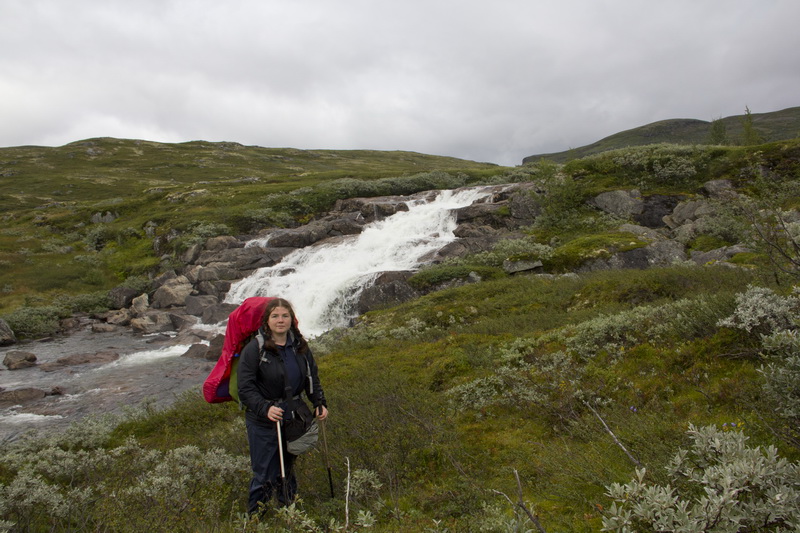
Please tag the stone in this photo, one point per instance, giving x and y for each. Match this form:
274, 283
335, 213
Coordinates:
152, 322
386, 292
223, 242
514, 267
624, 204
140, 305
97, 358
196, 304
22, 395
17, 359
217, 313
196, 351
172, 293
119, 317
100, 327
121, 297
7, 336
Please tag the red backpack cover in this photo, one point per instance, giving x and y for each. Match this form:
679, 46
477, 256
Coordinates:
242, 323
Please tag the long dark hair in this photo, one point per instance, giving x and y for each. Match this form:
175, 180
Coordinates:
269, 343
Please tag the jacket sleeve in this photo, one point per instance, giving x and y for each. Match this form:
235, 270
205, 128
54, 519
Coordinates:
313, 387
249, 393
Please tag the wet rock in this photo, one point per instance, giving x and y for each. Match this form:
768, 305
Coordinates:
100, 327
97, 358
196, 351
7, 336
16, 359
390, 288
20, 396
215, 347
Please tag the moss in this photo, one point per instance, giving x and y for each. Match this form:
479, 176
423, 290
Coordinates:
576, 252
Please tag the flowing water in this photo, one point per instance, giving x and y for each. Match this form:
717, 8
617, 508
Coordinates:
322, 281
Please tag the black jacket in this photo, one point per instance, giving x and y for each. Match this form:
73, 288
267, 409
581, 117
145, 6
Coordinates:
261, 381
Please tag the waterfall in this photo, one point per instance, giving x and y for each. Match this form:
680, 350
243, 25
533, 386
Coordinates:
323, 281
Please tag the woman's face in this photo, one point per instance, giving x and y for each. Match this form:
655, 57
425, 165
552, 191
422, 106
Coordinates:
279, 321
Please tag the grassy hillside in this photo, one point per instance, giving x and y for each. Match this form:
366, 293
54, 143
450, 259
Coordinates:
774, 126
163, 197
463, 409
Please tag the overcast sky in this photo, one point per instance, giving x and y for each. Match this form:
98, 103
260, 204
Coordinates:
491, 80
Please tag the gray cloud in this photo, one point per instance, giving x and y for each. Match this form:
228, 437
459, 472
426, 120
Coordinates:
488, 81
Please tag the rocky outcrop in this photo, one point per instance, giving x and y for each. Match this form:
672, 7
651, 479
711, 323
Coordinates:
178, 299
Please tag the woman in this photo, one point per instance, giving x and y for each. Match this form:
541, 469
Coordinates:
271, 378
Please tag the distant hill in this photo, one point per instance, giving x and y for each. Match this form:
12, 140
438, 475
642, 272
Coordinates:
775, 126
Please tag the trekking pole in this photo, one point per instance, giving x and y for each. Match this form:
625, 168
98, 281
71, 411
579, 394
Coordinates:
283, 470
325, 454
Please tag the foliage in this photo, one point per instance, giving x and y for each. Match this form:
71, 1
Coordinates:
720, 484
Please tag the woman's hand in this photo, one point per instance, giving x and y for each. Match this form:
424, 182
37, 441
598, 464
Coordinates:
275, 413
322, 412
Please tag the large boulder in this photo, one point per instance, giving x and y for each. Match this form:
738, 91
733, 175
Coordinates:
624, 204
173, 293
16, 359
197, 304
217, 313
390, 288
121, 297
153, 322
140, 305
22, 395
7, 336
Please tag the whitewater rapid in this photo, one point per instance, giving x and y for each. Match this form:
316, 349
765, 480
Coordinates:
323, 281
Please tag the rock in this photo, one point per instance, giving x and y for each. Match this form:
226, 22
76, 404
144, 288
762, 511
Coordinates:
152, 322
217, 271
181, 320
190, 256
655, 208
18, 396
223, 242
642, 232
514, 267
390, 288
70, 324
215, 347
217, 313
119, 317
121, 297
217, 288
173, 293
140, 305
687, 212
195, 305
7, 336
196, 351
16, 359
718, 255
624, 204
719, 189
104, 328
97, 358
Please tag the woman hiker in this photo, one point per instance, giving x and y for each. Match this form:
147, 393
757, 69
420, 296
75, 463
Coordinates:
271, 379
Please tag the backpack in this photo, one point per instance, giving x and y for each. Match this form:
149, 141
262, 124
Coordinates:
221, 385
